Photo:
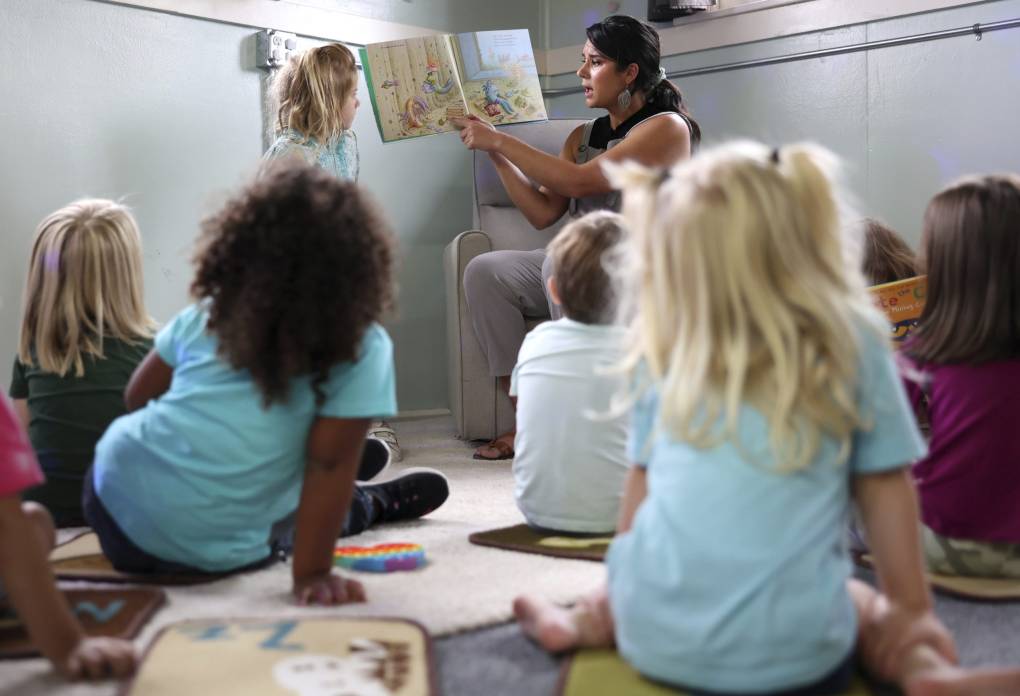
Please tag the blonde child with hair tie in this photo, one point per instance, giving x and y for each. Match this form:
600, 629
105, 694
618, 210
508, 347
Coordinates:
766, 402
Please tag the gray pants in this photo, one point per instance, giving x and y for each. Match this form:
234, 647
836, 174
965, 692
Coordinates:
503, 289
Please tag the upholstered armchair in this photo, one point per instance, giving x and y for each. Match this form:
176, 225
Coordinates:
480, 409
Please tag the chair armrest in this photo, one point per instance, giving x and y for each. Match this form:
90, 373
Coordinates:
472, 392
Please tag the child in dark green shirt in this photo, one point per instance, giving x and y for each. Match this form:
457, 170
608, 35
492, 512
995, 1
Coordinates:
83, 332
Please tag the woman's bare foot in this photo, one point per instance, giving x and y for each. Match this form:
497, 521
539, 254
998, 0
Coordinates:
500, 448
552, 627
950, 680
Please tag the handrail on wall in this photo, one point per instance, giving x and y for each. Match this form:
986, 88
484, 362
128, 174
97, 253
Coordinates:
978, 30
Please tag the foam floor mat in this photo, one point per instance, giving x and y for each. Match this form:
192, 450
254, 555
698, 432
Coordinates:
119, 612
523, 538
81, 558
604, 673
281, 657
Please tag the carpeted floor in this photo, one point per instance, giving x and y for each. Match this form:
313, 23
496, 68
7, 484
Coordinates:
466, 587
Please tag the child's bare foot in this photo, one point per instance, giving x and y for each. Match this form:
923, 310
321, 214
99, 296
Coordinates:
950, 680
552, 627
587, 624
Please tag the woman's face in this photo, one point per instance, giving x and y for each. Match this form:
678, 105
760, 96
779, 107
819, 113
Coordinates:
350, 108
601, 78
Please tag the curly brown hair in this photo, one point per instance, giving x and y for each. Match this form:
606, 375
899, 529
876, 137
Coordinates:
294, 269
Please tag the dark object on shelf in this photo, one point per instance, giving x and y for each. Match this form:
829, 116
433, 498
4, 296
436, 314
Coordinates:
668, 10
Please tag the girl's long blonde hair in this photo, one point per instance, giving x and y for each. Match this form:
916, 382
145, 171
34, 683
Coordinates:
739, 286
84, 285
310, 91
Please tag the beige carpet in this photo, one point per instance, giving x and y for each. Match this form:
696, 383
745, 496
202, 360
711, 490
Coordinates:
463, 587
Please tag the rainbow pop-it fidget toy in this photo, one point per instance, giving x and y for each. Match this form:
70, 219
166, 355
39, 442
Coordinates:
381, 558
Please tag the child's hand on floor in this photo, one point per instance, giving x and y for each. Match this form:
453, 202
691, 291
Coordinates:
900, 629
328, 589
99, 658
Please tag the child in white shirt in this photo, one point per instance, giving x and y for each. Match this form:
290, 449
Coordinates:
571, 462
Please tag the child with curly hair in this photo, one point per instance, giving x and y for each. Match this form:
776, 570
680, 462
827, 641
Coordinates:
26, 538
249, 416
316, 98
84, 329
766, 400
967, 347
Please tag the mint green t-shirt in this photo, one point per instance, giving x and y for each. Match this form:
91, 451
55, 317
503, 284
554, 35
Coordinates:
67, 417
200, 474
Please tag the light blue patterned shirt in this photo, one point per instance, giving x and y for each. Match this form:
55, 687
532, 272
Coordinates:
338, 155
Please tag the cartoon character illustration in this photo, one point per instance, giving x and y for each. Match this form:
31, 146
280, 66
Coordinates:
389, 84
431, 84
901, 329
359, 673
415, 113
494, 101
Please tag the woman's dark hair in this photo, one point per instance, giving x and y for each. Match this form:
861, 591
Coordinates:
887, 258
971, 252
626, 40
294, 270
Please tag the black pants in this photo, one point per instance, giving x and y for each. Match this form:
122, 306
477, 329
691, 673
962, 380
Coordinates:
127, 557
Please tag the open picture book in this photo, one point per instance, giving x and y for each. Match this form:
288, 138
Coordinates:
902, 301
417, 85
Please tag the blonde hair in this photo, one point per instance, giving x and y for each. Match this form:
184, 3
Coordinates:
311, 89
576, 253
84, 284
739, 287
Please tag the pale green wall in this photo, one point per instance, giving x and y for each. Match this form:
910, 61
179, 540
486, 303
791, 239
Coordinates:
453, 15
164, 112
907, 120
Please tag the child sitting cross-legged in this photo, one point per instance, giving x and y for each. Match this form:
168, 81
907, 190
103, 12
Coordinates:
966, 347
766, 400
84, 329
571, 463
249, 416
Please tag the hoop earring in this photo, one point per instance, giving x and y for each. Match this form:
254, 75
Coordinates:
623, 99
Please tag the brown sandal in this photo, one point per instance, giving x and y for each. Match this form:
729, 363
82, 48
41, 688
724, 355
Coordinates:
501, 446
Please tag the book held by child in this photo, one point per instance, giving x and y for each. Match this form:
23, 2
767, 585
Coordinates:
902, 301
417, 85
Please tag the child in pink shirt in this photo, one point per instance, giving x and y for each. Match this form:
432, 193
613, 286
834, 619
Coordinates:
967, 350
26, 537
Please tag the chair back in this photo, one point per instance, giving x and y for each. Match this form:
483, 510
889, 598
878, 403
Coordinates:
497, 215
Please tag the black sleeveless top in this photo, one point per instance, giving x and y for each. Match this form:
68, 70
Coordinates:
599, 136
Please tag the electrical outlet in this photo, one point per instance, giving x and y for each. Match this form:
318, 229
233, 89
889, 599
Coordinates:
273, 48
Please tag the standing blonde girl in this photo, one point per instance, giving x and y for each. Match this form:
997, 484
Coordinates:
84, 329
316, 98
768, 401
